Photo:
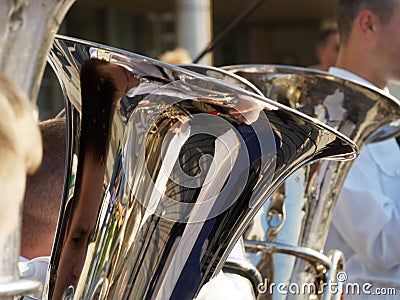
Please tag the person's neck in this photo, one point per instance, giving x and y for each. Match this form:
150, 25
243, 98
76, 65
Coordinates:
362, 67
31, 253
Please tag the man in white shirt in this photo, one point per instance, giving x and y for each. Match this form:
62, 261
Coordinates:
366, 220
42, 203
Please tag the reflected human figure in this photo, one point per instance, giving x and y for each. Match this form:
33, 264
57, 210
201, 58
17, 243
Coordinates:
102, 85
42, 202
327, 48
366, 219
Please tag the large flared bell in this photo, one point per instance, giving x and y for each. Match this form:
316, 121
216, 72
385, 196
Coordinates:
166, 169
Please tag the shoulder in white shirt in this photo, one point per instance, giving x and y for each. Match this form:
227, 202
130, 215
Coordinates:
36, 268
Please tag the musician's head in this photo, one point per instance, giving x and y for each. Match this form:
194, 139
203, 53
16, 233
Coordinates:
176, 56
349, 10
370, 38
43, 193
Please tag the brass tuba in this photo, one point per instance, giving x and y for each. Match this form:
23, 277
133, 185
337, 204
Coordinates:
288, 235
166, 169
27, 29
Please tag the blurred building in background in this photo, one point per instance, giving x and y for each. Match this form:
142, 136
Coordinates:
277, 32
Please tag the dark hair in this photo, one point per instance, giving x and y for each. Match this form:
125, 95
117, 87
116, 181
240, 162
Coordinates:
324, 35
348, 10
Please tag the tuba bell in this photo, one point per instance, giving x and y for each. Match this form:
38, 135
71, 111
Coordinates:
295, 225
27, 29
165, 170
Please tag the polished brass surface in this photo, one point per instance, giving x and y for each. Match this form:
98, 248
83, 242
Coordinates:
166, 169
301, 209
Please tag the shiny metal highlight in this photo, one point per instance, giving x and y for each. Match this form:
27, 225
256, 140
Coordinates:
223, 75
166, 168
300, 211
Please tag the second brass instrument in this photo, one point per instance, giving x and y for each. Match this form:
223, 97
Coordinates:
291, 232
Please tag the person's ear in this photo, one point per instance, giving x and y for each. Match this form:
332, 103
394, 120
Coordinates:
368, 24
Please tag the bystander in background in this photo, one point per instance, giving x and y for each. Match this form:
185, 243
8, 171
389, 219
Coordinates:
177, 56
327, 48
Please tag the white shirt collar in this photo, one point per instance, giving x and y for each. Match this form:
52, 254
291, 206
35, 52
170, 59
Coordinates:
339, 72
36, 267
